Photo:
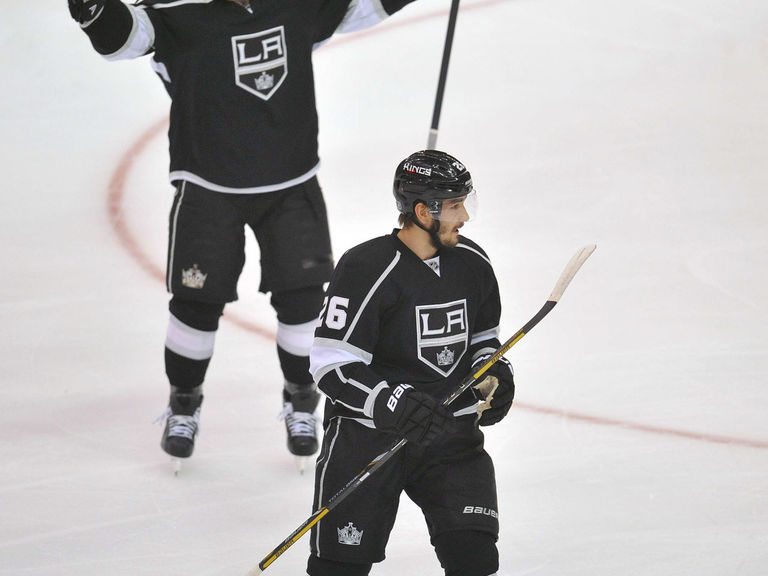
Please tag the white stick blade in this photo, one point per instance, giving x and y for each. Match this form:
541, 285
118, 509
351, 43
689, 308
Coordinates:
570, 271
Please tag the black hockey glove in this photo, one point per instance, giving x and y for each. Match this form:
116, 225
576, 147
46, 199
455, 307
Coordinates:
416, 416
85, 11
392, 6
496, 390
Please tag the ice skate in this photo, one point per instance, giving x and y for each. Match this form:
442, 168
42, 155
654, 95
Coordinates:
182, 423
301, 423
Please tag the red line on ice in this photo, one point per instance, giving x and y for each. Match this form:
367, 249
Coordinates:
661, 430
117, 191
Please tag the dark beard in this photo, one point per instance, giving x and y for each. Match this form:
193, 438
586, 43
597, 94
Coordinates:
434, 237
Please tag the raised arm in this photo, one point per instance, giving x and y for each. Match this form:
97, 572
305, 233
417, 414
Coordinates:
117, 30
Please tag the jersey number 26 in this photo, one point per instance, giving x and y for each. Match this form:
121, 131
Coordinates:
335, 312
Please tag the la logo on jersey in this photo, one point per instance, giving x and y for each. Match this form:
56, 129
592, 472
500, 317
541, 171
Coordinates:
261, 61
442, 335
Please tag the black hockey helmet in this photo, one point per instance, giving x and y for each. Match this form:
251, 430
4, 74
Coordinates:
430, 176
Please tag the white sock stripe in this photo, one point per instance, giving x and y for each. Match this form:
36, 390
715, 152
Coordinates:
296, 339
187, 341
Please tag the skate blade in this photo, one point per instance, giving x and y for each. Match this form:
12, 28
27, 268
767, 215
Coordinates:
176, 463
301, 463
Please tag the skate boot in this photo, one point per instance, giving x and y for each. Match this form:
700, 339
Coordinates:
182, 421
299, 406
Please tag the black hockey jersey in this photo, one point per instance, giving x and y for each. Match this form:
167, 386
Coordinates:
243, 116
389, 318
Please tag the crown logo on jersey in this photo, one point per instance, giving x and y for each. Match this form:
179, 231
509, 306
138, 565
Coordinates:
265, 81
193, 277
350, 535
445, 357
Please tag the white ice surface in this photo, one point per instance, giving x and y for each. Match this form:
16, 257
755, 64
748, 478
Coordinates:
639, 445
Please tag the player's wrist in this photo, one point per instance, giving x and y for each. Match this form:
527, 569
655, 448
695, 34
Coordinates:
389, 405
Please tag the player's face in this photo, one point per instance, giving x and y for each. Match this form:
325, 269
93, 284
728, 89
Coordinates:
452, 217
458, 209
448, 234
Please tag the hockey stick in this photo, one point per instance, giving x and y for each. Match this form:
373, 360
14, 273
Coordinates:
562, 283
432, 139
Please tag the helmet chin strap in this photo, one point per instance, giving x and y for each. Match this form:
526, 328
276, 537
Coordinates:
434, 235
433, 231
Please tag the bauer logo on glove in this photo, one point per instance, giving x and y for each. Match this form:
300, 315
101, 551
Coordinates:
496, 390
411, 414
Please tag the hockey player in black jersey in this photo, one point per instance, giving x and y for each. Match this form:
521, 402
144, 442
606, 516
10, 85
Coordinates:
405, 318
243, 151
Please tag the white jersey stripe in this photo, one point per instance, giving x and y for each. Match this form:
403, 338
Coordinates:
203, 183
362, 14
368, 296
485, 335
140, 40
327, 354
180, 3
483, 256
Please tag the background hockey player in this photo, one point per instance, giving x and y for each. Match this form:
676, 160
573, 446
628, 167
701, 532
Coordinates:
243, 151
406, 316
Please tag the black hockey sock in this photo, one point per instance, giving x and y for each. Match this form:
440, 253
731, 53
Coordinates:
295, 368
184, 372
467, 553
322, 567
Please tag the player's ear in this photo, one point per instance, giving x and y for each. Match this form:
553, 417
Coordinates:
421, 213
